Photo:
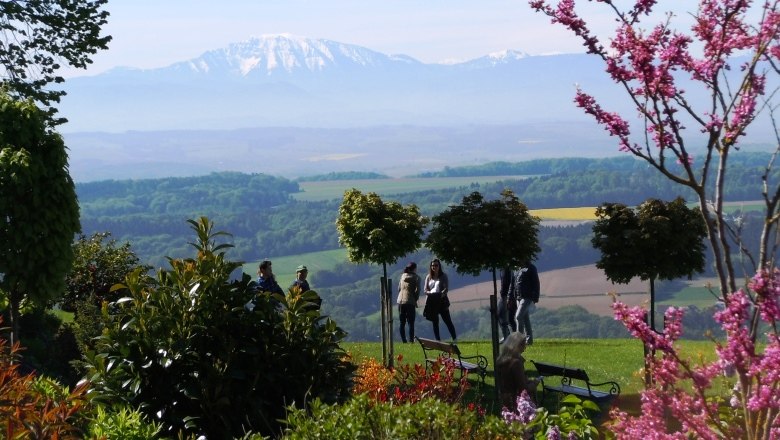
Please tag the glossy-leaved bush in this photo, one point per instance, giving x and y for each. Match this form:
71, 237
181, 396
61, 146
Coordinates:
184, 349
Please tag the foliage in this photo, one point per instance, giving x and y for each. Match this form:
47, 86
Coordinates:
372, 379
718, 104
573, 418
363, 419
483, 234
657, 241
686, 389
98, 264
411, 383
185, 350
39, 213
50, 346
38, 37
121, 423
36, 408
374, 231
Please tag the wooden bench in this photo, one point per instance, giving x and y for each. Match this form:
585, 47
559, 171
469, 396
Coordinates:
567, 375
450, 352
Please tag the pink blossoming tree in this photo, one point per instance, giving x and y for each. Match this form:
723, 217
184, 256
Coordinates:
651, 64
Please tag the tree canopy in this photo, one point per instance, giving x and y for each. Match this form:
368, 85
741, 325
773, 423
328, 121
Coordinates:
375, 231
484, 234
39, 213
38, 37
657, 241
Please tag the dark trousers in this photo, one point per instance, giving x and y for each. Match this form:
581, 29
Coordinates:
407, 312
445, 316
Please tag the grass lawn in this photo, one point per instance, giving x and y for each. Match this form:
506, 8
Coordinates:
620, 360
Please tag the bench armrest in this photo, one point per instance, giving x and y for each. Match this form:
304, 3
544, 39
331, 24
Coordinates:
614, 388
481, 360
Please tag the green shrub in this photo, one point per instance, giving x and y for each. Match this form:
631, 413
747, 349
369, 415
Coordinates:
121, 423
183, 348
363, 418
50, 346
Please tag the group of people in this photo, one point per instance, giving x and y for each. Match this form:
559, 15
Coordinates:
437, 304
518, 296
266, 281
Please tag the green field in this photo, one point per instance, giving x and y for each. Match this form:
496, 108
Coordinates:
700, 297
334, 189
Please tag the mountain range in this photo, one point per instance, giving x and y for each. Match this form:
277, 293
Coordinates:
283, 80
291, 105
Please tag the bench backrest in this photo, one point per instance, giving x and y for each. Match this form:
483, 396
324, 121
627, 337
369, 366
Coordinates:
557, 370
446, 347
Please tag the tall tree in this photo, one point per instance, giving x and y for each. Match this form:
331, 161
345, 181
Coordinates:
38, 38
39, 213
657, 241
730, 56
374, 231
484, 234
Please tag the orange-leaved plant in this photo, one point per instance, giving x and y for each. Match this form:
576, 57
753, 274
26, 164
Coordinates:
29, 412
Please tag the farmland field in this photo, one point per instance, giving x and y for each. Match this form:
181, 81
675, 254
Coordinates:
586, 286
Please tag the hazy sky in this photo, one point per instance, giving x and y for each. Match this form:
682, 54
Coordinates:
156, 33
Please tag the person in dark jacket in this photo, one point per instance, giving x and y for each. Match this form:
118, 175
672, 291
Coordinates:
506, 303
300, 279
527, 291
266, 282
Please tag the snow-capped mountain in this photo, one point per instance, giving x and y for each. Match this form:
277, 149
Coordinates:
285, 80
278, 54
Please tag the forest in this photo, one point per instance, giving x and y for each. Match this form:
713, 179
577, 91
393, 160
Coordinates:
265, 220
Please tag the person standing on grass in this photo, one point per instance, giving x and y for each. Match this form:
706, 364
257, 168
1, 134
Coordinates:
436, 301
408, 294
506, 303
527, 292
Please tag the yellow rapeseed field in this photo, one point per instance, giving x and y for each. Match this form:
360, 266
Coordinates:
584, 213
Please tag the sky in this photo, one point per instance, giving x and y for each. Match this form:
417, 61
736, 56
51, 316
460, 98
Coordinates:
156, 33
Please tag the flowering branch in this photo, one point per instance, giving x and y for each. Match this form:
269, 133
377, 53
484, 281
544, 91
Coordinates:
650, 65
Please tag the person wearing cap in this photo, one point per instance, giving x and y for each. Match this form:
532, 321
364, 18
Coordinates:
266, 282
300, 279
408, 294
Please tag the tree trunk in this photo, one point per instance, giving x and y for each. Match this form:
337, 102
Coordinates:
652, 303
15, 299
494, 329
389, 306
